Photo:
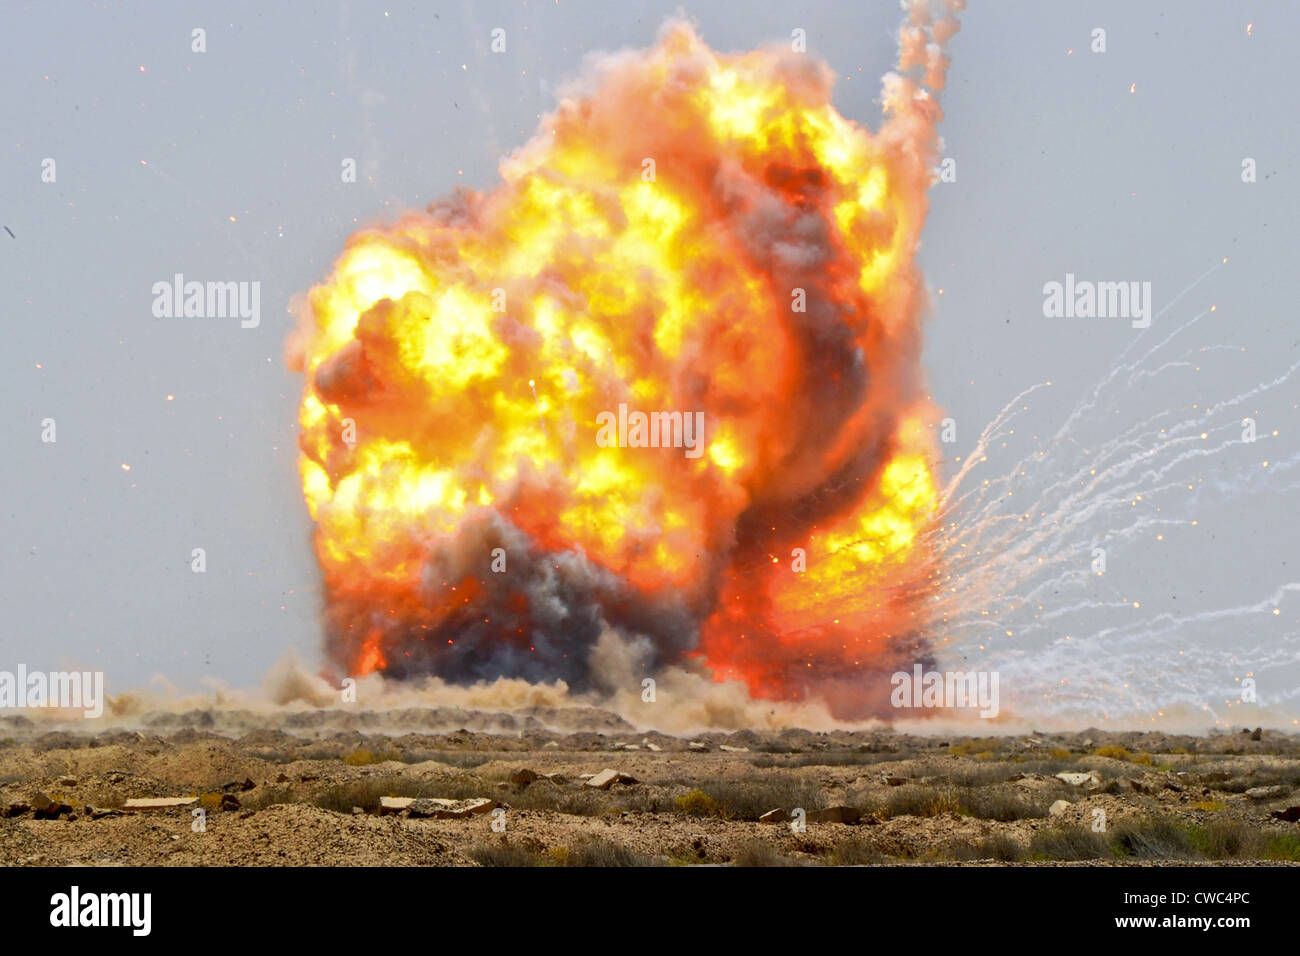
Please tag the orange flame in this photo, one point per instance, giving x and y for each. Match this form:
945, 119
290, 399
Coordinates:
696, 233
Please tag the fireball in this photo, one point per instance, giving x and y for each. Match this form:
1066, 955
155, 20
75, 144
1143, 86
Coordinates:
696, 236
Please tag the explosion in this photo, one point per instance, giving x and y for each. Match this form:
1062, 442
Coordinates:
695, 237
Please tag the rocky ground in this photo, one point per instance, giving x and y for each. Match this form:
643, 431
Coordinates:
519, 794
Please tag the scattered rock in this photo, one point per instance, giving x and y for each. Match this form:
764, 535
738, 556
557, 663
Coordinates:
774, 816
1059, 807
727, 748
551, 745
1257, 734
100, 813
229, 802
1267, 793
16, 809
698, 745
890, 781
1289, 815
556, 778
651, 747
523, 777
1031, 780
1126, 784
1090, 780
67, 781
45, 808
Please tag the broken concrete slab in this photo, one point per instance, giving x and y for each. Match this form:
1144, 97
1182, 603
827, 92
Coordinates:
389, 805
442, 809
607, 778
603, 780
836, 814
439, 808
158, 803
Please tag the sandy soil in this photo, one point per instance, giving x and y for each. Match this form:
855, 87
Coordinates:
307, 792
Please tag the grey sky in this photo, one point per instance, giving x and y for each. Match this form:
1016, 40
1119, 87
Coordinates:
225, 165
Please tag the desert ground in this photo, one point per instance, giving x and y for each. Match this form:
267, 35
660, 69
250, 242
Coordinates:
465, 788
